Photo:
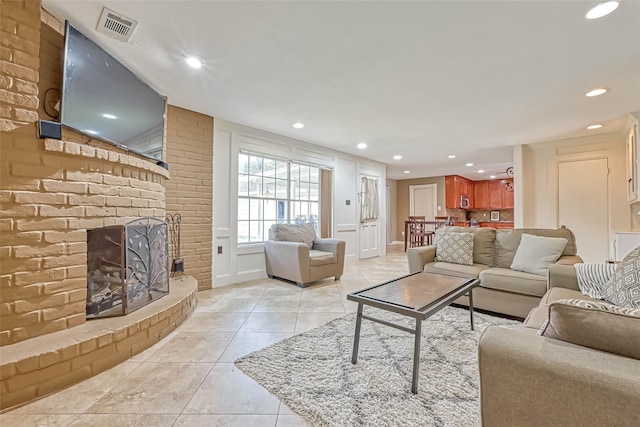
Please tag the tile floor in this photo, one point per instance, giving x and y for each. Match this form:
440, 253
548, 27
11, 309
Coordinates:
189, 379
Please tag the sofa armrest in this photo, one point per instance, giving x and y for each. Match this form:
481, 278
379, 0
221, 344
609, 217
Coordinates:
563, 276
419, 256
333, 245
569, 260
289, 260
327, 245
529, 380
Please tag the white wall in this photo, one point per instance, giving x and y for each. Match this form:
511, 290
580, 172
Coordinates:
540, 179
238, 263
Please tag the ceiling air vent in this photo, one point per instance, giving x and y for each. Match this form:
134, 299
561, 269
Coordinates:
115, 25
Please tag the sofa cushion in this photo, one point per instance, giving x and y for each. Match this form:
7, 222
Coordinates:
456, 248
596, 325
301, 233
535, 253
317, 258
507, 241
483, 239
504, 279
458, 270
536, 318
624, 287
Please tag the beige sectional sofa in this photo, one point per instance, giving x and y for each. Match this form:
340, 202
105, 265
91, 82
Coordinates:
502, 290
532, 380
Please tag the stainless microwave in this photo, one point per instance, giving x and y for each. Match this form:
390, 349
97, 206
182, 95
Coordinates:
464, 202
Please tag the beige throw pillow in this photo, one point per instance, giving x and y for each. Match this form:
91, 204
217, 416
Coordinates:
535, 253
301, 233
456, 248
597, 325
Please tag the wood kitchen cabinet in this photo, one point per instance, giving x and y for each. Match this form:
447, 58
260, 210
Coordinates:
507, 196
487, 194
456, 186
481, 195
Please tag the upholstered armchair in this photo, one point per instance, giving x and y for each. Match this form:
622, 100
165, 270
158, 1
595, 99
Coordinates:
294, 253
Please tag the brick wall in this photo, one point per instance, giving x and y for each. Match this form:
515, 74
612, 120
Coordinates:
190, 189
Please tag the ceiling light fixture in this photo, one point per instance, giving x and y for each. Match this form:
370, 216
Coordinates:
603, 9
407, 171
596, 92
480, 170
193, 62
298, 125
468, 164
451, 156
397, 157
92, 132
109, 116
492, 176
594, 127
362, 145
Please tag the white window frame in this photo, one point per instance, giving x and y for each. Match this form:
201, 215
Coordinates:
248, 231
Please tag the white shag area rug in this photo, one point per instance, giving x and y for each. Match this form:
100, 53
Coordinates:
312, 372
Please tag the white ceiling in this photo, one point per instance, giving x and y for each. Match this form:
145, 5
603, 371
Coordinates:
420, 79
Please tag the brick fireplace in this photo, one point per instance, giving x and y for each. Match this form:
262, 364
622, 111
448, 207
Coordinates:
52, 191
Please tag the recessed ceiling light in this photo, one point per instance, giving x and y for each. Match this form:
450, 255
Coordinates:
397, 157
480, 170
362, 145
596, 92
492, 176
451, 156
407, 171
298, 125
193, 62
594, 127
468, 164
109, 116
92, 132
602, 9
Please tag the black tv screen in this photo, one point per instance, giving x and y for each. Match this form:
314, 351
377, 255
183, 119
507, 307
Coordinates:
103, 99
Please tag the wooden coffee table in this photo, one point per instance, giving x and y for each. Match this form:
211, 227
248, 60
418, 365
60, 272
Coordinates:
418, 295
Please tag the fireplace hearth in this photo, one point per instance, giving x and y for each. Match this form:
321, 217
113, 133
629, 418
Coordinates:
127, 267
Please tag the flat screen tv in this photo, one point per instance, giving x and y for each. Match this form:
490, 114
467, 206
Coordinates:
105, 100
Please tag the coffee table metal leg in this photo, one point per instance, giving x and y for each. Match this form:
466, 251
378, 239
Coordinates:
356, 340
416, 357
471, 307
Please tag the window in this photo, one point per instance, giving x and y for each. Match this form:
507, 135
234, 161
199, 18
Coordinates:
271, 191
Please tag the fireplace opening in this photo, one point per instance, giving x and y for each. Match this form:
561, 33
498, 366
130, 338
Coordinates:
127, 267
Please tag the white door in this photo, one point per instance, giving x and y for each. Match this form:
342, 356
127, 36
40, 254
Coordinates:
369, 230
423, 201
582, 206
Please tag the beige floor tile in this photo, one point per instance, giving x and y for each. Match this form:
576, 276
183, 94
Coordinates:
194, 347
40, 420
78, 398
208, 420
145, 355
161, 388
119, 420
308, 321
293, 420
214, 322
291, 293
246, 342
285, 410
231, 304
322, 306
270, 322
277, 305
226, 390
